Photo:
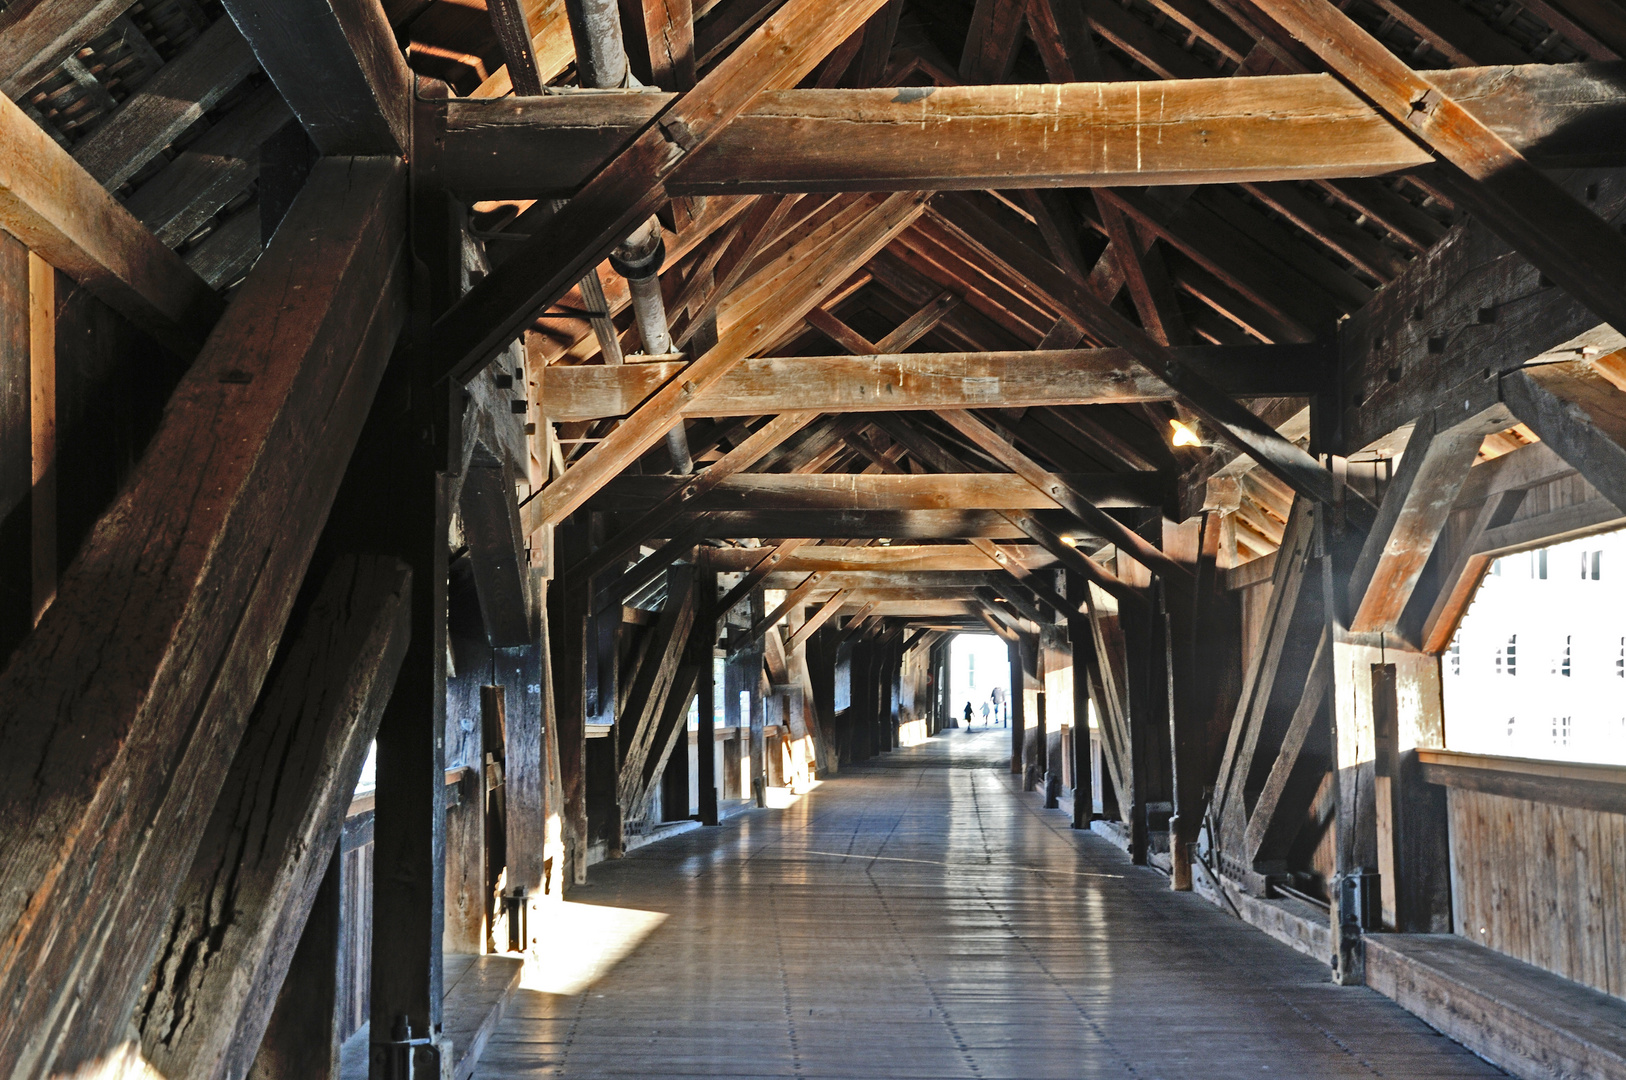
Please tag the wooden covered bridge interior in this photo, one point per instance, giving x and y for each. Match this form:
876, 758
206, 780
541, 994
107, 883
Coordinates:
483, 481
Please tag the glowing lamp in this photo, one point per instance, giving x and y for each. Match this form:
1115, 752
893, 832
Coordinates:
1183, 435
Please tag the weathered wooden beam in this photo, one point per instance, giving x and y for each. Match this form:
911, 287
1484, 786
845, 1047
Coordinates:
769, 559
887, 491
1470, 305
627, 191
1301, 764
201, 541
1272, 686
50, 203
1239, 130
339, 68
167, 104
669, 30
1413, 514
1488, 175
826, 611
639, 722
1581, 414
868, 524
268, 842
496, 552
916, 381
900, 558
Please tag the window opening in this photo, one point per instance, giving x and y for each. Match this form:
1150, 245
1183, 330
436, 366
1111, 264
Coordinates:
1556, 609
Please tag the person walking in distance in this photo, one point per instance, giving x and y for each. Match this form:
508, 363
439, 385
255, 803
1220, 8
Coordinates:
968, 716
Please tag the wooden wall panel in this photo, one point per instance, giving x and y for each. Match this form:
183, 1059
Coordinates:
1545, 884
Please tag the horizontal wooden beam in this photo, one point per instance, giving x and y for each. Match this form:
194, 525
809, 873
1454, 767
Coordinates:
50, 203
1177, 131
869, 524
883, 491
893, 558
872, 581
917, 381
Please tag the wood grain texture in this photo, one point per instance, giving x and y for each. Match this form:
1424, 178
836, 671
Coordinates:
268, 842
1240, 130
123, 707
926, 380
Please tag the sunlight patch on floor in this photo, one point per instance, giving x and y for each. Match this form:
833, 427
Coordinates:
584, 941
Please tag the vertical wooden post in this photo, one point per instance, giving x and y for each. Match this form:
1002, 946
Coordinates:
1355, 859
1019, 722
705, 636
301, 1041
410, 827
1083, 642
16, 449
758, 719
42, 396
567, 622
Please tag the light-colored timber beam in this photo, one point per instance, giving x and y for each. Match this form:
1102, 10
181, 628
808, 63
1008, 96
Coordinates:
885, 491
1178, 131
899, 381
50, 203
896, 558
871, 524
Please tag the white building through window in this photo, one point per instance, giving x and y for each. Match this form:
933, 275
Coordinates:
1560, 611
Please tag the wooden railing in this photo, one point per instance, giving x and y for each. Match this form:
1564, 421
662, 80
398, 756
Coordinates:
1560, 783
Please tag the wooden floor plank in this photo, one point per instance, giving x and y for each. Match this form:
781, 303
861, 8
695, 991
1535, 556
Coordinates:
920, 917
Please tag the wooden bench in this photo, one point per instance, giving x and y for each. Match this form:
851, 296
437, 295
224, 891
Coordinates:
1532, 1023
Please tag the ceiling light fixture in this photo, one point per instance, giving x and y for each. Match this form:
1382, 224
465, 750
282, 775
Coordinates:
1183, 435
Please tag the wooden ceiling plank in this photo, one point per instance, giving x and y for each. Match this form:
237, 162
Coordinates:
1148, 279
50, 203
36, 37
652, 521
1228, 419
167, 104
1494, 181
211, 170
1332, 229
